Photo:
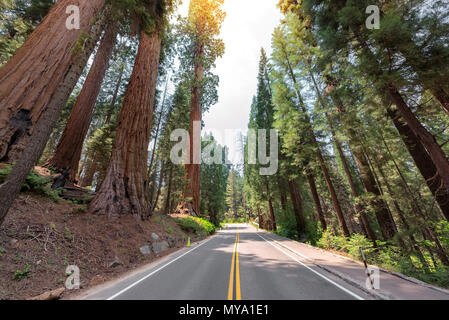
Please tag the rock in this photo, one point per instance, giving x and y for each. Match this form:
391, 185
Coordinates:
160, 246
14, 243
154, 236
172, 242
145, 250
50, 295
115, 263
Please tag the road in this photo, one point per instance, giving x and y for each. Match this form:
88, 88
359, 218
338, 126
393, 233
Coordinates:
239, 263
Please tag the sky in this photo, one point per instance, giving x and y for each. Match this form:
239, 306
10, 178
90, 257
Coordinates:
248, 27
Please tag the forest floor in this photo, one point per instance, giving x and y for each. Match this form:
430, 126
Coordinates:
40, 239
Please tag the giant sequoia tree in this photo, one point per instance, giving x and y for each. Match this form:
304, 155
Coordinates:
18, 19
34, 94
67, 155
124, 189
32, 77
200, 49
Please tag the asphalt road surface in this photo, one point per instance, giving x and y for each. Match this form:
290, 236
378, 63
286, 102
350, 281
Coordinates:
239, 263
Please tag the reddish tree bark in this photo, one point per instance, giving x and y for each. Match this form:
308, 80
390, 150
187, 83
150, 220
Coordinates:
90, 165
316, 199
427, 139
170, 181
365, 223
330, 186
259, 216
28, 157
297, 207
115, 95
32, 77
89, 172
423, 162
359, 209
381, 210
442, 97
270, 207
283, 195
159, 187
68, 152
158, 128
335, 201
124, 189
272, 216
193, 170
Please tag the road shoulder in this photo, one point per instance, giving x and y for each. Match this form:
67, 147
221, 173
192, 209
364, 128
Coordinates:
393, 286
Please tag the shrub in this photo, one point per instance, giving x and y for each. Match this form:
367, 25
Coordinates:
4, 172
286, 224
20, 274
230, 220
438, 277
443, 232
187, 224
356, 242
314, 232
208, 226
196, 225
34, 183
330, 241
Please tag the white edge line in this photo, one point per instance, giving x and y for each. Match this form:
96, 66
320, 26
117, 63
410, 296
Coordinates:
322, 276
155, 271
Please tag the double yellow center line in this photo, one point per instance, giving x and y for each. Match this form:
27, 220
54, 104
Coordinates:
235, 266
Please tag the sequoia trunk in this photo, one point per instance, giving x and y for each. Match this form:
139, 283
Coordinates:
32, 77
297, 207
366, 175
330, 186
316, 200
423, 162
68, 152
28, 157
435, 152
192, 168
124, 189
359, 209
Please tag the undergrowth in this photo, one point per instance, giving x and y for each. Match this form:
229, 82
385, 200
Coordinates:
34, 183
199, 226
390, 256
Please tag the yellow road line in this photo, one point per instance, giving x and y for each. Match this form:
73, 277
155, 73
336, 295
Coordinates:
231, 276
235, 266
237, 272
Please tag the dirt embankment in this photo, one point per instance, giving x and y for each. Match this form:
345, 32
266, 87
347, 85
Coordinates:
40, 239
